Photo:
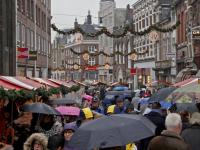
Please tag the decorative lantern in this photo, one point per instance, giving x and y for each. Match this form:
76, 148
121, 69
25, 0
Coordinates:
78, 37
153, 36
75, 66
86, 56
107, 66
79, 70
133, 57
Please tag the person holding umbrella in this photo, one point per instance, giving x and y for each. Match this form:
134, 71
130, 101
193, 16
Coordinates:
120, 103
94, 105
84, 116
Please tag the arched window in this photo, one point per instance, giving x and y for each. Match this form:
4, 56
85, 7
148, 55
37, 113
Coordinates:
123, 51
119, 55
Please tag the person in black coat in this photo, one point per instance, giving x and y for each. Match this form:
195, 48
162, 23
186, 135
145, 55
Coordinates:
158, 119
191, 135
185, 116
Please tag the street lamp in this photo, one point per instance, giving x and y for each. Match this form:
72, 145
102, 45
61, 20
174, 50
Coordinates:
101, 23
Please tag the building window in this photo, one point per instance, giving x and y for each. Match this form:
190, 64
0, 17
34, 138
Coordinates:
102, 42
23, 6
45, 46
23, 36
28, 39
110, 20
105, 24
18, 34
42, 45
106, 41
49, 49
119, 55
38, 44
91, 49
32, 40
115, 50
63, 62
129, 57
123, 50
91, 61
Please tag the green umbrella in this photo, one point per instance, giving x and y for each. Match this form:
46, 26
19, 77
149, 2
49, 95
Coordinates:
185, 94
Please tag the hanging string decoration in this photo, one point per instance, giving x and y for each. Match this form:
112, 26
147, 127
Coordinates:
153, 36
133, 57
86, 56
78, 37
124, 33
108, 55
88, 65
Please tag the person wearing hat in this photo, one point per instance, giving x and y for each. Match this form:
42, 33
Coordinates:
94, 105
129, 108
120, 103
84, 116
113, 109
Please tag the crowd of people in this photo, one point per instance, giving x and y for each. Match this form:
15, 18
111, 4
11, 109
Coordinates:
174, 131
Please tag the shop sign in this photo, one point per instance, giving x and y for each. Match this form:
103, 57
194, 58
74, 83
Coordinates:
91, 68
170, 55
133, 71
196, 34
32, 55
23, 53
161, 72
173, 71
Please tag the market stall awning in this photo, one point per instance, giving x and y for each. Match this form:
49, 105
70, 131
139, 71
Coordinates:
182, 83
195, 81
160, 81
16, 82
60, 82
8, 86
30, 82
114, 83
77, 82
45, 81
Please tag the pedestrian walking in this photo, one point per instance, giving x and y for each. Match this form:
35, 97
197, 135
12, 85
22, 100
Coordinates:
95, 104
56, 142
68, 132
84, 116
36, 141
192, 134
49, 126
120, 104
170, 139
158, 119
185, 116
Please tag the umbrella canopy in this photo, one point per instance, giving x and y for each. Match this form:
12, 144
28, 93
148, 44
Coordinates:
112, 131
40, 108
190, 107
185, 94
145, 100
120, 85
115, 93
88, 97
162, 94
61, 101
71, 111
130, 93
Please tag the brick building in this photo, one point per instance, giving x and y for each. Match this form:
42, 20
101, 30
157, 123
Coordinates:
8, 37
91, 44
34, 33
121, 71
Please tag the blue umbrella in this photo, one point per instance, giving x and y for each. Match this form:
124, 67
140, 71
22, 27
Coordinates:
117, 89
166, 105
145, 100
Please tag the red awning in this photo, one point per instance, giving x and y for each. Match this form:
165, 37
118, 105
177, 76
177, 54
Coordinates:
182, 83
114, 83
77, 82
8, 86
60, 82
160, 81
45, 81
30, 82
16, 82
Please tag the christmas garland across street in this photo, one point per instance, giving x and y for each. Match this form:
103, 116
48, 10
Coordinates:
111, 55
126, 30
88, 65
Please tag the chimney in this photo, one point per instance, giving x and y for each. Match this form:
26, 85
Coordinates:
89, 18
75, 23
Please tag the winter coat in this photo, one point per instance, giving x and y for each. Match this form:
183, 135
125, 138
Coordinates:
192, 137
69, 126
135, 102
159, 121
186, 124
168, 141
36, 136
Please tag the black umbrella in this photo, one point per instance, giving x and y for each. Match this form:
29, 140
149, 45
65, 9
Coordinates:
177, 107
61, 101
130, 93
112, 131
192, 109
162, 94
40, 108
115, 93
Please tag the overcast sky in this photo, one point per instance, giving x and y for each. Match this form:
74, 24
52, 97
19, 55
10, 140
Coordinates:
77, 8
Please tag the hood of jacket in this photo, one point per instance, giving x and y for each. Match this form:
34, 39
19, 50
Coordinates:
36, 136
70, 126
